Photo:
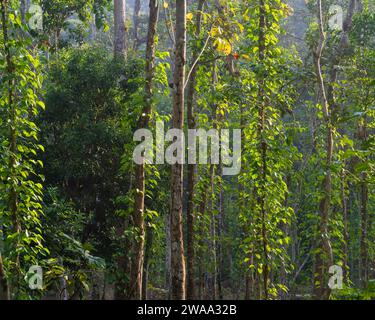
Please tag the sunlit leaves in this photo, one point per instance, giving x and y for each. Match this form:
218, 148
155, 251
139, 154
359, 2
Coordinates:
264, 79
189, 16
20, 189
223, 46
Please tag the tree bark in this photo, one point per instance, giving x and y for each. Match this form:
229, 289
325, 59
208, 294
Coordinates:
168, 258
4, 291
143, 122
363, 214
340, 51
191, 172
146, 265
324, 258
177, 246
201, 272
120, 28
136, 14
345, 219
220, 232
263, 150
212, 276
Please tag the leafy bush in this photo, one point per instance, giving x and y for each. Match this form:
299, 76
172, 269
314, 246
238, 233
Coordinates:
350, 293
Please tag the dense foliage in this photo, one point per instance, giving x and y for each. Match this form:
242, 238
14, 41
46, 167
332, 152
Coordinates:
299, 85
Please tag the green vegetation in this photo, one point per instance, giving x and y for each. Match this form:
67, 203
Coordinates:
299, 85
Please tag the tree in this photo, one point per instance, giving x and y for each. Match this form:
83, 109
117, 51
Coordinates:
21, 242
143, 122
136, 16
191, 170
119, 14
177, 288
325, 255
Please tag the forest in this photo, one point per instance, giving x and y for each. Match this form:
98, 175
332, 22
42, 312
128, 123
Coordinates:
187, 150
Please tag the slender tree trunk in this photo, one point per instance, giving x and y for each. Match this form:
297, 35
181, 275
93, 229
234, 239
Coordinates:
324, 258
344, 204
4, 290
201, 257
177, 245
122, 263
143, 122
249, 274
146, 265
191, 172
120, 28
212, 276
340, 51
137, 10
263, 150
220, 231
364, 215
200, 280
168, 257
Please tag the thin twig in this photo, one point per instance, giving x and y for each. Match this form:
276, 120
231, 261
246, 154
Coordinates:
196, 61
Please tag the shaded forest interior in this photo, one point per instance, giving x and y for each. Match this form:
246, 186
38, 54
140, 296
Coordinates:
83, 81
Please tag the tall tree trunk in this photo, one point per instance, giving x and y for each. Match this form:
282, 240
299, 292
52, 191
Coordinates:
363, 213
146, 265
168, 257
122, 262
177, 245
191, 172
340, 51
143, 122
137, 10
120, 28
345, 220
220, 231
249, 274
212, 275
201, 258
263, 150
324, 258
